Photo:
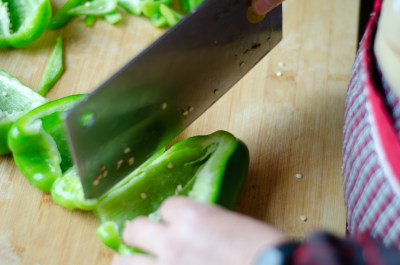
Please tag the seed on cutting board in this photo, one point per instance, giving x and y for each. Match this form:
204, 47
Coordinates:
279, 73
143, 195
170, 165
281, 64
119, 164
298, 175
303, 218
127, 150
131, 160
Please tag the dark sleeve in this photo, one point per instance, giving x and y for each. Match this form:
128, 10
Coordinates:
325, 249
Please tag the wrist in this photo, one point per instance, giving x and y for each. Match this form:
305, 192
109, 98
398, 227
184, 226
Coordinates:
387, 43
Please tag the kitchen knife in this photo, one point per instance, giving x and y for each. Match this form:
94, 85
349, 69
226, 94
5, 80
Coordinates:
161, 91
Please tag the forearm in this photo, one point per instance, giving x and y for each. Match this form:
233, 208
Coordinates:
387, 43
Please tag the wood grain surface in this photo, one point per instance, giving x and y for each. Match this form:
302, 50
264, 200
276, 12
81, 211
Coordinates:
288, 110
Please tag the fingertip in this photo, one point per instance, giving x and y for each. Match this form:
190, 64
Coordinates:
261, 7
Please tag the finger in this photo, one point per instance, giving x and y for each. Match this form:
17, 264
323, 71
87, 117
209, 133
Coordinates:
145, 234
137, 259
261, 7
173, 207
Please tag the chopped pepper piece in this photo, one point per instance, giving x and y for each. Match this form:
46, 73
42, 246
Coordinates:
62, 16
16, 99
133, 7
38, 142
23, 21
208, 169
53, 69
96, 7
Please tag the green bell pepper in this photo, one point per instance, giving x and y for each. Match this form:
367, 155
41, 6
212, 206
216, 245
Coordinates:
209, 169
62, 16
16, 99
38, 142
53, 69
95, 7
22, 21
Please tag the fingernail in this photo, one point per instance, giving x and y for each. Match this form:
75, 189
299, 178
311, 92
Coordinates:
261, 7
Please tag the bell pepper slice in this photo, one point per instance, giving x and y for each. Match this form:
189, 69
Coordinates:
62, 16
38, 142
16, 99
190, 5
209, 169
53, 69
96, 7
133, 7
67, 191
23, 21
113, 18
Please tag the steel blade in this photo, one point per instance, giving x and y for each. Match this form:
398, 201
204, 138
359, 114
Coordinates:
148, 102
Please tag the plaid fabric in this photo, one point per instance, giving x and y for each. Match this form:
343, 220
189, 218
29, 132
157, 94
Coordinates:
371, 149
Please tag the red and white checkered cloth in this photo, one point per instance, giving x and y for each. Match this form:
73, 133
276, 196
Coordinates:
371, 148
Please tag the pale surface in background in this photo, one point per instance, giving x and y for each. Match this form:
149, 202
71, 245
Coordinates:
291, 123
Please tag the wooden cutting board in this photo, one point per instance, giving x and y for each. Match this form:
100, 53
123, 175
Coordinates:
288, 110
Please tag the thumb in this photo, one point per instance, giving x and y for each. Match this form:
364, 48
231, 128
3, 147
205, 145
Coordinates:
261, 7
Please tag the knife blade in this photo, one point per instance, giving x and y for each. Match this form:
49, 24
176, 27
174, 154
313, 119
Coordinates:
148, 102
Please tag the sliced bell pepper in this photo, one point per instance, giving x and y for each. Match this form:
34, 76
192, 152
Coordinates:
38, 142
53, 68
95, 7
189, 5
62, 16
133, 7
209, 169
16, 99
23, 21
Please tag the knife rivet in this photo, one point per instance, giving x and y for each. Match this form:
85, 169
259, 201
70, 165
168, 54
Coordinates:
164, 106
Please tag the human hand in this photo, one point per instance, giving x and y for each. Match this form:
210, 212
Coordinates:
261, 7
192, 233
